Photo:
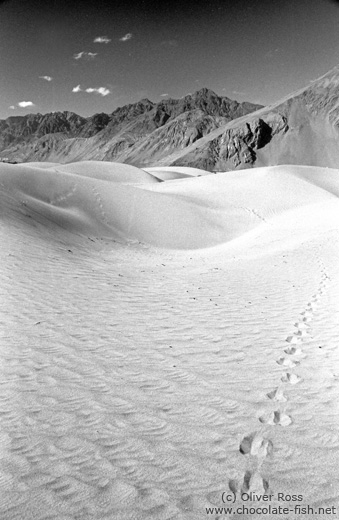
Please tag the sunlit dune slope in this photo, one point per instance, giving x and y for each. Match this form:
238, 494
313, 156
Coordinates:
114, 172
125, 203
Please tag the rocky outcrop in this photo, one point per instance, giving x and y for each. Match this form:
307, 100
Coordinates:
301, 129
177, 134
236, 146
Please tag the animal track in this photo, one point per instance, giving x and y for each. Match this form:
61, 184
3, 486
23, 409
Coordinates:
64, 195
302, 325
255, 483
293, 379
101, 206
247, 481
293, 351
277, 395
287, 362
233, 485
294, 339
246, 444
254, 444
276, 418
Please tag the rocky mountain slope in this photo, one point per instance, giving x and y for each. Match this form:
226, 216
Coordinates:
141, 133
201, 130
300, 129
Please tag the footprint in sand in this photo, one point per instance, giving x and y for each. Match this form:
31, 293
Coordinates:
101, 206
255, 483
294, 339
276, 418
246, 482
309, 306
302, 325
287, 362
302, 333
233, 485
293, 351
277, 395
292, 379
254, 444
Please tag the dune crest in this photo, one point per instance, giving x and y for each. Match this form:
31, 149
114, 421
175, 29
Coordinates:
123, 202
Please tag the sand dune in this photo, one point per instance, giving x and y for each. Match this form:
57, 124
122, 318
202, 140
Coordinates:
105, 171
167, 173
143, 380
133, 205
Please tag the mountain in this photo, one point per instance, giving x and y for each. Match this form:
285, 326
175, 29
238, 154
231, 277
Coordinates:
201, 130
142, 133
299, 129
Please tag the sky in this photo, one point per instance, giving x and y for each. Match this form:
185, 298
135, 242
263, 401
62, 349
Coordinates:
89, 57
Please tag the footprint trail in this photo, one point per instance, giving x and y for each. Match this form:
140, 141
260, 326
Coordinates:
257, 446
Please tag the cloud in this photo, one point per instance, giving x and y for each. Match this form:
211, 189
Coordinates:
24, 104
169, 43
85, 55
101, 90
127, 37
163, 95
47, 78
12, 107
101, 39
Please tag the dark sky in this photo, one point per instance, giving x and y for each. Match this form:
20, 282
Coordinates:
247, 50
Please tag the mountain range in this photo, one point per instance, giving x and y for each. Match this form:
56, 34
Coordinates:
139, 133
201, 130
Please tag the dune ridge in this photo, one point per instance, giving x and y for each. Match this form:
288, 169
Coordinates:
121, 201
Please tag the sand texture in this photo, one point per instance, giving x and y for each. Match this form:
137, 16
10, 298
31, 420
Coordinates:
166, 341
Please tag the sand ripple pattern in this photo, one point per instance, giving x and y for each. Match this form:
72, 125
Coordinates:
140, 384
257, 445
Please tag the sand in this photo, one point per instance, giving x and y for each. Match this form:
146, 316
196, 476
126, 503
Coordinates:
165, 345
168, 173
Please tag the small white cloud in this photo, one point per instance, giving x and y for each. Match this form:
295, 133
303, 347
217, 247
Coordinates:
127, 37
101, 39
12, 107
101, 90
85, 55
25, 104
47, 78
163, 95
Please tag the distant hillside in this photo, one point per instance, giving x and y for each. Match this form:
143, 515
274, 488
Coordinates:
299, 129
142, 133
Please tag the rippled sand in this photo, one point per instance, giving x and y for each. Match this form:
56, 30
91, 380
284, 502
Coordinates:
142, 382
